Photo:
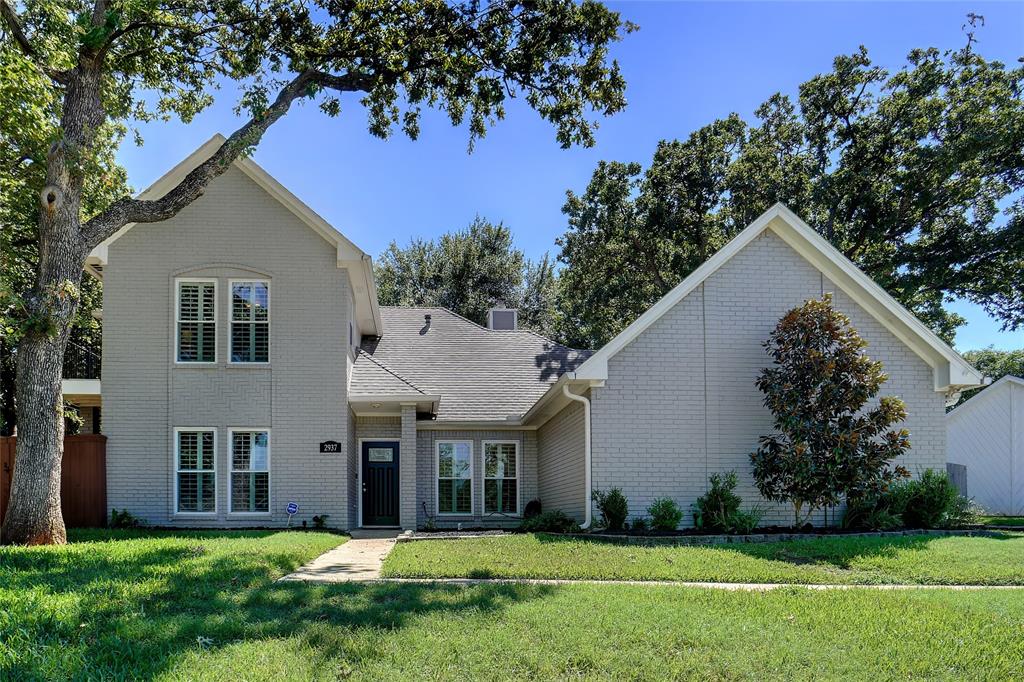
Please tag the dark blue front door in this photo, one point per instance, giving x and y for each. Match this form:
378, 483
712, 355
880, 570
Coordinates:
380, 483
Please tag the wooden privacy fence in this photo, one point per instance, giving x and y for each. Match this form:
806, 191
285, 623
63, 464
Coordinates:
83, 479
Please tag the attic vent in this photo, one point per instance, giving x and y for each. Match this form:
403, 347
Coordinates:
502, 319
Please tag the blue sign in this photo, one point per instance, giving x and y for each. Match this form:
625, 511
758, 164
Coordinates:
292, 508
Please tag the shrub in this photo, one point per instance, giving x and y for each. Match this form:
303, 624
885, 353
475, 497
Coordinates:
828, 444
925, 502
744, 522
549, 522
320, 522
638, 524
665, 514
123, 519
962, 513
714, 508
533, 508
613, 506
871, 513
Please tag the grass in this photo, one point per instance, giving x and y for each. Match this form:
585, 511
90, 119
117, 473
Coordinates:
927, 560
1003, 520
204, 606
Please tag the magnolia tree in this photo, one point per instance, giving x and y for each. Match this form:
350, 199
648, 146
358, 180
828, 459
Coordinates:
829, 444
111, 62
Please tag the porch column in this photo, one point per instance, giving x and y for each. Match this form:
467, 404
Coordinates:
407, 469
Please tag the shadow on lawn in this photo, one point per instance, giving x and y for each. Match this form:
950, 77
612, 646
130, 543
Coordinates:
136, 615
837, 551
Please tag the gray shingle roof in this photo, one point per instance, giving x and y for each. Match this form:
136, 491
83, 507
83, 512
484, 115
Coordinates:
479, 373
371, 377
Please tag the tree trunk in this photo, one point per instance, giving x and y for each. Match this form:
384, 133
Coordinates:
33, 515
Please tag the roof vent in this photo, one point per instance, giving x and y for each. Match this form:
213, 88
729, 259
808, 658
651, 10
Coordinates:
502, 319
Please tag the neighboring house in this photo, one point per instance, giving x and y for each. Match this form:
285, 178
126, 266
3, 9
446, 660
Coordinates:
986, 435
246, 365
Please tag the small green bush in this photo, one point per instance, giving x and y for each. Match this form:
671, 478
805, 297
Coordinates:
320, 522
549, 522
926, 501
613, 506
962, 513
639, 524
123, 519
665, 514
714, 509
744, 522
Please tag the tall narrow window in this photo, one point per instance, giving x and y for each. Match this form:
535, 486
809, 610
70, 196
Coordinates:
250, 321
197, 321
501, 477
196, 470
250, 471
454, 477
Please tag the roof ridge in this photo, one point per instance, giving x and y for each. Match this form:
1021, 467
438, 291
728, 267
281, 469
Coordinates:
486, 329
387, 369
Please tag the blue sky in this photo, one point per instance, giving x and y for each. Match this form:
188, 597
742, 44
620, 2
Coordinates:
690, 63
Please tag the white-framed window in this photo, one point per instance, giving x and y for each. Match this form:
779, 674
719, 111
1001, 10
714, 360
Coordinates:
250, 471
195, 317
249, 333
501, 477
195, 479
455, 477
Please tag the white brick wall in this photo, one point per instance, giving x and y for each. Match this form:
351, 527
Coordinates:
680, 401
234, 230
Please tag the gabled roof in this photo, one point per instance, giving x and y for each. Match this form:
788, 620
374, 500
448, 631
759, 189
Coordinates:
480, 374
951, 372
992, 392
349, 256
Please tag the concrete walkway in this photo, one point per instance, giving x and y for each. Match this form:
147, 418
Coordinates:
357, 560
739, 587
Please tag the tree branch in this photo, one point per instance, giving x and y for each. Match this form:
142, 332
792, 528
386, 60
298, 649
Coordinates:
128, 210
25, 45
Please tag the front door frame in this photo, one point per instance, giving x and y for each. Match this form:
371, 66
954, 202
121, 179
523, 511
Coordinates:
359, 482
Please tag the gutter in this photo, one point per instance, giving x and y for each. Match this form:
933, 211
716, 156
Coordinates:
586, 451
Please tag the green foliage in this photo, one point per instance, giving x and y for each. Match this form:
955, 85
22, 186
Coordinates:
937, 215
714, 510
549, 522
926, 501
639, 524
828, 444
469, 272
613, 506
320, 521
994, 364
744, 521
123, 519
929, 502
665, 514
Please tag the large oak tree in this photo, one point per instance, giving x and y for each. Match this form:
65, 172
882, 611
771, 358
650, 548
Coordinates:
917, 176
114, 61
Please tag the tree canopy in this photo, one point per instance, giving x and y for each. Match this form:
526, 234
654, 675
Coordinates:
469, 271
916, 176
995, 364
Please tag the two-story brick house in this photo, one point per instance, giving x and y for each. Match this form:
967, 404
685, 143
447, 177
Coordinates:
247, 365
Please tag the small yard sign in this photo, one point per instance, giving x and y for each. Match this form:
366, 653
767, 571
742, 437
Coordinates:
330, 446
293, 508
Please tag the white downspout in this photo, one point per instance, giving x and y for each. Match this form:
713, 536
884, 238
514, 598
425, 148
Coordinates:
586, 450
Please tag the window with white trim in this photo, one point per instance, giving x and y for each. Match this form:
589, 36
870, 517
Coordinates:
250, 471
454, 477
250, 321
501, 477
196, 317
195, 456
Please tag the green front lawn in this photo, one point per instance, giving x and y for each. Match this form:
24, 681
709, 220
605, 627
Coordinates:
1003, 520
195, 606
905, 559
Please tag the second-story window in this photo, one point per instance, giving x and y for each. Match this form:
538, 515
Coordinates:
197, 321
250, 321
